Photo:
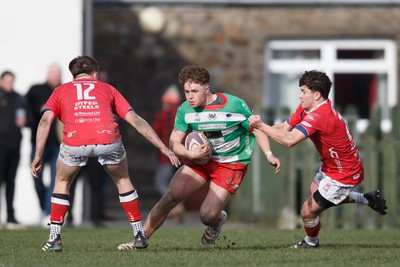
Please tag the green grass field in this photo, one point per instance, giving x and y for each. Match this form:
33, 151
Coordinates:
182, 247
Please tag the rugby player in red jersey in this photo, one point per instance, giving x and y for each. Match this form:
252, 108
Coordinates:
341, 170
86, 107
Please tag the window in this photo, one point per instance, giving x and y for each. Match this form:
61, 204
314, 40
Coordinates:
363, 73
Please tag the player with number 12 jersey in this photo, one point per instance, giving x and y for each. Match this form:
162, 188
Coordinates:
86, 107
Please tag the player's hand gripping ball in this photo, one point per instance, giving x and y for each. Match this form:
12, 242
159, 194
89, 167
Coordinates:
193, 141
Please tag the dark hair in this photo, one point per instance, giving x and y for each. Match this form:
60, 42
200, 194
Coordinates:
7, 72
316, 81
83, 64
194, 74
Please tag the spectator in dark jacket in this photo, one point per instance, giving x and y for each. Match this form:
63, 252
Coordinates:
13, 118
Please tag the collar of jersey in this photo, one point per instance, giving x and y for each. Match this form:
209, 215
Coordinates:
216, 107
317, 106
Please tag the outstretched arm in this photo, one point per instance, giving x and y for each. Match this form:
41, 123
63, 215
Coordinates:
41, 139
283, 133
145, 129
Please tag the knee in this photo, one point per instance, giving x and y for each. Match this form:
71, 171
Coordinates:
208, 216
307, 215
170, 199
174, 195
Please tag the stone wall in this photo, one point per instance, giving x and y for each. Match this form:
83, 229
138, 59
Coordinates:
229, 41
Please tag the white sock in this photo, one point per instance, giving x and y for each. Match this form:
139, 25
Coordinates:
137, 227
359, 198
55, 229
311, 240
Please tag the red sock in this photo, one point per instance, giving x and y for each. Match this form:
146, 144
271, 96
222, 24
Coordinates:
314, 230
59, 207
130, 203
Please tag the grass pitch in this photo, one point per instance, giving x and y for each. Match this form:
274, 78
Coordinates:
182, 247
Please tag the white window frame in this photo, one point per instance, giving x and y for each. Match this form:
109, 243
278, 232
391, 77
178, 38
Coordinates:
329, 64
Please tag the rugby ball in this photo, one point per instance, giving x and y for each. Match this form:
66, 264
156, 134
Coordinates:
193, 141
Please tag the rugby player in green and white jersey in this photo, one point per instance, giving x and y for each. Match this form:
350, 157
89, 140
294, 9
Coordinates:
223, 118
225, 124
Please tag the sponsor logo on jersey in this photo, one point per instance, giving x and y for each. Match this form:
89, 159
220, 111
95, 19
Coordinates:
311, 117
195, 117
86, 105
86, 113
69, 134
104, 131
87, 120
212, 126
212, 116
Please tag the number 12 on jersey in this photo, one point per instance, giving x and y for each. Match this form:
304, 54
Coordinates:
84, 93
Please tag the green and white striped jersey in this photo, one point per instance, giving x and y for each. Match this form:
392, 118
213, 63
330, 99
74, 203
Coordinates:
225, 125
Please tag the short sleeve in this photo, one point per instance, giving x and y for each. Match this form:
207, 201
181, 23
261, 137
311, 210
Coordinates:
122, 106
246, 111
180, 123
53, 103
296, 117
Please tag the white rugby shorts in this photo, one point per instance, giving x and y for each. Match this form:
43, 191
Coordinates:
108, 154
332, 190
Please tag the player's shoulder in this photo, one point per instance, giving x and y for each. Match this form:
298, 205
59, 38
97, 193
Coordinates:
236, 104
185, 106
103, 86
101, 83
61, 87
321, 115
323, 110
230, 97
317, 114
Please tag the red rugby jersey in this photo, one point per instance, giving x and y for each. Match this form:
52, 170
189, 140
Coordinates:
333, 140
86, 107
